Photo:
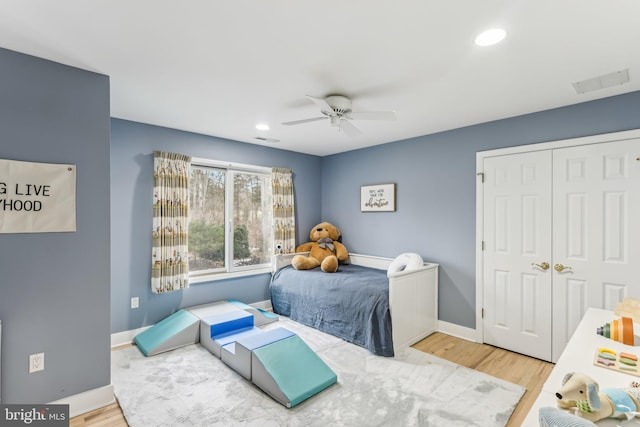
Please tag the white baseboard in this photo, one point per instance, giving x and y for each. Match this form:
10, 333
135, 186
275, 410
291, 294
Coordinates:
87, 401
458, 331
125, 337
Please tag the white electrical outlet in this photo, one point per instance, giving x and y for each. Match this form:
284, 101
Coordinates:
36, 362
135, 302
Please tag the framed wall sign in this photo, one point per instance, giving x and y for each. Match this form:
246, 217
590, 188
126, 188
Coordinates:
37, 197
378, 198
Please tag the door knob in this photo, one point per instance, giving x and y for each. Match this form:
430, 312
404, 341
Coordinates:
560, 268
545, 265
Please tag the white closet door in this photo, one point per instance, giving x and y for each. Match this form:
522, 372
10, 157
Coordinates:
596, 231
517, 237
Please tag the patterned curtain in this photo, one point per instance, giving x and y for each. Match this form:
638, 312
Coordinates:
170, 262
283, 211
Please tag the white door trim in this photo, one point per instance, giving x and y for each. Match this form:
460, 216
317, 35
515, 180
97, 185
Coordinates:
480, 156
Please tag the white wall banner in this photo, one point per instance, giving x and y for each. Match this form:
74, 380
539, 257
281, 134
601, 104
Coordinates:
37, 197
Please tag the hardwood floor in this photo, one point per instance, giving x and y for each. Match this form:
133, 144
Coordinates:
513, 367
109, 416
516, 368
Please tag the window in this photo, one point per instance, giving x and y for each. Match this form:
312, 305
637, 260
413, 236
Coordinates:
230, 219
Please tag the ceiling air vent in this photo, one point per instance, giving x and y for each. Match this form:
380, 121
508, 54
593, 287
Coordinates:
606, 80
262, 138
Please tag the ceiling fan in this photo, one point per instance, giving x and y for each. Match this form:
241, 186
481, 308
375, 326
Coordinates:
337, 108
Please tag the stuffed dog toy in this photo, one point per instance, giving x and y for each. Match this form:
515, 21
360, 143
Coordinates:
583, 393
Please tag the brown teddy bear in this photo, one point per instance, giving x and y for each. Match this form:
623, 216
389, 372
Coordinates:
324, 249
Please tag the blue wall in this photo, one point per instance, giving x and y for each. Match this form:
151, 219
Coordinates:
54, 290
57, 288
435, 176
132, 145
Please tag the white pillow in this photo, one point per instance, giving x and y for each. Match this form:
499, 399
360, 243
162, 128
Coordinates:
405, 262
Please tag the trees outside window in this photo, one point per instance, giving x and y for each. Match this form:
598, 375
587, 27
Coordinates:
229, 219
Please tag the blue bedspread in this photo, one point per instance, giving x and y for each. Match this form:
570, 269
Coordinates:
352, 303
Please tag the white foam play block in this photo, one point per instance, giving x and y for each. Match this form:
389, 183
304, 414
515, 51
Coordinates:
290, 371
212, 309
221, 326
221, 341
260, 317
178, 330
205, 337
237, 354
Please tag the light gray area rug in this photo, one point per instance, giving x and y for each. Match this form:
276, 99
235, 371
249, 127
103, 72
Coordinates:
190, 387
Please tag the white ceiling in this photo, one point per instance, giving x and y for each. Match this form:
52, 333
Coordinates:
219, 67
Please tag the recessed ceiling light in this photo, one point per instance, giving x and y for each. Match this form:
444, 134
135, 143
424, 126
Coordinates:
490, 37
262, 126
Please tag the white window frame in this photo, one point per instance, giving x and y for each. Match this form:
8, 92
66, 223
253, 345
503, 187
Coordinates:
230, 271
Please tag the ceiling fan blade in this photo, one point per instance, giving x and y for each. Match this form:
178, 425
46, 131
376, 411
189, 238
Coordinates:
373, 115
348, 128
324, 107
299, 122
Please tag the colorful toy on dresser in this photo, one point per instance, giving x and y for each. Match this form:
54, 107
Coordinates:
617, 361
620, 330
583, 395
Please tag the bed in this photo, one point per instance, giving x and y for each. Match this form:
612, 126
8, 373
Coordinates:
359, 303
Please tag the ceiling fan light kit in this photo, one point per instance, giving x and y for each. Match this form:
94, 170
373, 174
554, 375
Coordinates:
336, 104
337, 108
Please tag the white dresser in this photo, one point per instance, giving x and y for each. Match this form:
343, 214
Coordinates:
578, 356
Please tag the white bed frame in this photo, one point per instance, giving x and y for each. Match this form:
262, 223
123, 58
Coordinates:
413, 297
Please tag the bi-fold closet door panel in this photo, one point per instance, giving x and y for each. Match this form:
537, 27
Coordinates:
562, 233
596, 231
517, 237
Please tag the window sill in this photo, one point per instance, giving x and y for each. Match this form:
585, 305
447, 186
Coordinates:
229, 275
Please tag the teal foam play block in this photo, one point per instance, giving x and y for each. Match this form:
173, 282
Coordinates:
177, 330
289, 371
